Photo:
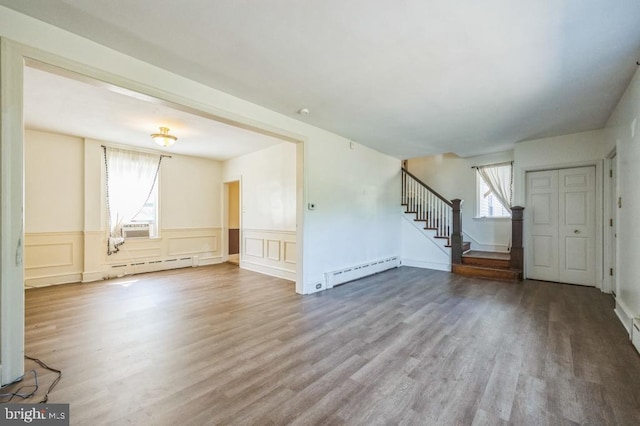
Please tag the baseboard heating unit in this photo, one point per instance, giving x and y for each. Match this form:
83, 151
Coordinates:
132, 268
342, 276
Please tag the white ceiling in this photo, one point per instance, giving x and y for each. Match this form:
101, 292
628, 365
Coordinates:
407, 77
66, 105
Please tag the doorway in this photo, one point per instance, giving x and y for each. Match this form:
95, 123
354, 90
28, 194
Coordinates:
233, 221
14, 56
561, 217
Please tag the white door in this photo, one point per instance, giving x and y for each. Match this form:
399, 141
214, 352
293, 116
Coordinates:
561, 225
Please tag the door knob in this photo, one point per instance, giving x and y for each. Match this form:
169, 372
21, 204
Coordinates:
576, 232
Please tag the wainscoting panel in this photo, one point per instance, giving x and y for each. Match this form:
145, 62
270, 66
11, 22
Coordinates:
68, 257
273, 250
52, 258
192, 245
254, 247
133, 250
139, 250
290, 252
270, 252
175, 248
49, 255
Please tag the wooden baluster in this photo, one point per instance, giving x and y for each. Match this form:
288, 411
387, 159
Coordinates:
403, 183
441, 218
456, 235
430, 212
421, 192
448, 223
411, 197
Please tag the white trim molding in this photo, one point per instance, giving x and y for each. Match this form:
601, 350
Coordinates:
624, 315
438, 266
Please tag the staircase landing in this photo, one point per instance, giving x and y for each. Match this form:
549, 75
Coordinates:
485, 264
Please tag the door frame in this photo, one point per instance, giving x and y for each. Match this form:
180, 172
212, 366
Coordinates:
610, 211
14, 57
11, 213
599, 243
225, 217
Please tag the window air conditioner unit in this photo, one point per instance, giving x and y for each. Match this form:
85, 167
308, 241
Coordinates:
136, 230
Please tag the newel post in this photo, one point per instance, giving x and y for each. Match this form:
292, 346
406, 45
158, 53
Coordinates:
517, 259
456, 233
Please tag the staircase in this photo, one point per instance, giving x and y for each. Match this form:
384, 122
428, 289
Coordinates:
444, 219
485, 264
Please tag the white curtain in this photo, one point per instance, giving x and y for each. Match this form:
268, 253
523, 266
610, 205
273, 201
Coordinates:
498, 178
130, 179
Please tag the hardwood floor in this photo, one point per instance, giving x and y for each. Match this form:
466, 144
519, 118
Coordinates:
220, 345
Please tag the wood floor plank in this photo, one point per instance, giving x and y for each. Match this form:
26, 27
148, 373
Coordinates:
221, 345
501, 389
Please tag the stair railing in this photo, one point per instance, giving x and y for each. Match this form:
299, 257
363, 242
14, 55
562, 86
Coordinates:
437, 212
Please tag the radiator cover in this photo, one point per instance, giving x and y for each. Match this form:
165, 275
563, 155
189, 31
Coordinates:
342, 276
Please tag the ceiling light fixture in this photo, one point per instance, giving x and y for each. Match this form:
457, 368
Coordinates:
164, 138
304, 111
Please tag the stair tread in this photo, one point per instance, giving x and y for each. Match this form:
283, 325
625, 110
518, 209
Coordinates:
485, 259
485, 268
487, 272
488, 255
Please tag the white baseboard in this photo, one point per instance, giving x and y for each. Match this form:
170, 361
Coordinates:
319, 285
426, 265
268, 270
93, 276
624, 315
211, 260
89, 277
53, 280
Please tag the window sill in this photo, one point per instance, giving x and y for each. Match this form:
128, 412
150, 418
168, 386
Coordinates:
143, 238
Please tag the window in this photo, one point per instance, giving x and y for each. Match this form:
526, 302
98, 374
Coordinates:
147, 217
493, 193
132, 195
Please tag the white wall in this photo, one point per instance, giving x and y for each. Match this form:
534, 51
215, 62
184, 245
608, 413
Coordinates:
419, 249
557, 152
190, 191
268, 186
268, 242
65, 220
623, 130
54, 182
356, 191
54, 208
453, 177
